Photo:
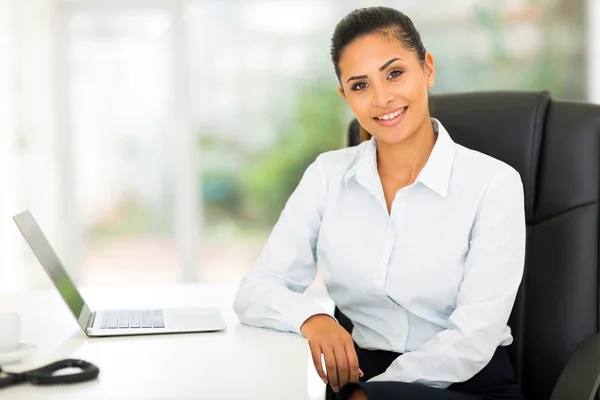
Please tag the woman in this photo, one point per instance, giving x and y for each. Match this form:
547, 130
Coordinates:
420, 241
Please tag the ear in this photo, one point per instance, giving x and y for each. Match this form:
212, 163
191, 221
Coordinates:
341, 92
429, 70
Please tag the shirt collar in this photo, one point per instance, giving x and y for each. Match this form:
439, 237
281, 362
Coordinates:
436, 172
366, 162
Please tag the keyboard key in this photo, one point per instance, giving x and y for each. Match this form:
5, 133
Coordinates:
104, 321
124, 319
135, 319
146, 319
158, 319
113, 320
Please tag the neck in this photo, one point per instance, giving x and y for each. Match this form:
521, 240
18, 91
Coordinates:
402, 162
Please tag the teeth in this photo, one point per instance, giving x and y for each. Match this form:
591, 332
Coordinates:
392, 115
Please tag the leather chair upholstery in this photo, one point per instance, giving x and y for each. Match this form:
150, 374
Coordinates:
555, 146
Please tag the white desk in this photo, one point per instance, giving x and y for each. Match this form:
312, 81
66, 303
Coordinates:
240, 363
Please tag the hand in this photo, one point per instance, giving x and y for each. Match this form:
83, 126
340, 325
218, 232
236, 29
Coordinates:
325, 336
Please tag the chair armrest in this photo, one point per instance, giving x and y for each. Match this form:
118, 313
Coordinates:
580, 378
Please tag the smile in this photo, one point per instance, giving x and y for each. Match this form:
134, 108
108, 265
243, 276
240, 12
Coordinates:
391, 115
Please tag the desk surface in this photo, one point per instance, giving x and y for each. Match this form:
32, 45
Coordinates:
242, 362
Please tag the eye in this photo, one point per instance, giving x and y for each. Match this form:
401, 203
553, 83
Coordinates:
359, 86
395, 73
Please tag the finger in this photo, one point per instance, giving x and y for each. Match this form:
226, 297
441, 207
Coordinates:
315, 350
330, 364
341, 361
353, 370
360, 373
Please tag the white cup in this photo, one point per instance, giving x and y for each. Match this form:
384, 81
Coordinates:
10, 330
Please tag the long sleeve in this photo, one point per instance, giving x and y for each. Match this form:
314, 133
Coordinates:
270, 295
492, 275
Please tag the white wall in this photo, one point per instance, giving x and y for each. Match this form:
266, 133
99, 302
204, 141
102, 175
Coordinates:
28, 145
9, 255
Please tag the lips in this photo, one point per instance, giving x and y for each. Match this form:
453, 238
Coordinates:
391, 118
390, 115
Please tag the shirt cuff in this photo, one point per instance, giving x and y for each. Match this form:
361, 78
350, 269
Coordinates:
388, 376
302, 311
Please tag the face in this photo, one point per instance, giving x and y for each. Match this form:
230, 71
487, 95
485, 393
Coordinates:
385, 85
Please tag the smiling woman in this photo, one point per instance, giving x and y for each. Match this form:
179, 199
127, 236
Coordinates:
419, 240
385, 66
384, 74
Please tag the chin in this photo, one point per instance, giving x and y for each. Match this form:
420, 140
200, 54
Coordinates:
393, 136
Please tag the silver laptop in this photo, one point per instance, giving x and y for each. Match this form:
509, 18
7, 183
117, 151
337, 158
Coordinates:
113, 322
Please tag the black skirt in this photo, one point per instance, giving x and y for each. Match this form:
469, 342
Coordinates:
496, 381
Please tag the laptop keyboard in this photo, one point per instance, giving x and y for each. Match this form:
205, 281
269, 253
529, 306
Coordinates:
132, 319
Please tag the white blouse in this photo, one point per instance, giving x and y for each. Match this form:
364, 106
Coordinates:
435, 279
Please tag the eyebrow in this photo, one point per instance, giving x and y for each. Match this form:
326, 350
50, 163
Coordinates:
384, 66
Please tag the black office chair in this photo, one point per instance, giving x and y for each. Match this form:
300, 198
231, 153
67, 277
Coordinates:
555, 146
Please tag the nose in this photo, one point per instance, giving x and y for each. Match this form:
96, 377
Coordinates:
381, 96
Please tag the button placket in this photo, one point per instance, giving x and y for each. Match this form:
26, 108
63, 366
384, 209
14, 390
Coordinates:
385, 255
399, 313
402, 332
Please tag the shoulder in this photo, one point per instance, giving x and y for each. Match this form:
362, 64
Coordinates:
336, 163
492, 184
329, 169
473, 171
481, 169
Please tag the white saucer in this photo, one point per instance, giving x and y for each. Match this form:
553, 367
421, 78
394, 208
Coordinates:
23, 350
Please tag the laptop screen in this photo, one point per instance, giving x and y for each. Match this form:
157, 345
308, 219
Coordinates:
49, 260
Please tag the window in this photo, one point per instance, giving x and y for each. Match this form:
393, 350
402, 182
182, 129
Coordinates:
160, 139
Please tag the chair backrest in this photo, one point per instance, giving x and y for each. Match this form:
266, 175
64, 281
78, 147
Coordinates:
555, 146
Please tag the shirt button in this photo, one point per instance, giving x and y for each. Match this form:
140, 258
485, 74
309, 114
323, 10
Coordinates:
390, 234
379, 275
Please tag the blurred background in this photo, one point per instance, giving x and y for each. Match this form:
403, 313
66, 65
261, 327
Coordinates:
157, 141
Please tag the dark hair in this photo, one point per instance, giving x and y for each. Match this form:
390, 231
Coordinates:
374, 20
